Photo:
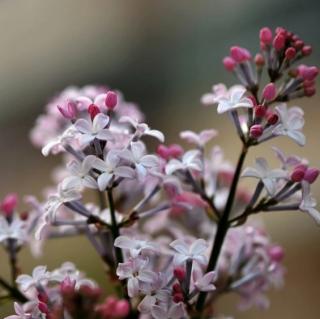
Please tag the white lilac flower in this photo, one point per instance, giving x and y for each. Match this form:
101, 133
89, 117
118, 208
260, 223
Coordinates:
175, 311
28, 310
142, 128
309, 203
14, 230
159, 297
234, 99
185, 251
80, 177
94, 129
135, 246
109, 168
40, 276
219, 91
199, 139
291, 123
190, 160
288, 161
269, 177
204, 282
68, 270
56, 145
135, 271
66, 193
83, 102
137, 155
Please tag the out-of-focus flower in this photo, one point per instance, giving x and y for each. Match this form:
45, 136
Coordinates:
309, 203
268, 176
190, 160
199, 139
40, 276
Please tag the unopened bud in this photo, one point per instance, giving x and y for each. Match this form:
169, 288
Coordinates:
111, 100
272, 118
259, 59
298, 173
276, 253
93, 110
269, 92
290, 53
311, 175
260, 111
279, 41
9, 204
177, 297
256, 130
229, 63
266, 35
122, 309
306, 50
179, 273
240, 54
69, 110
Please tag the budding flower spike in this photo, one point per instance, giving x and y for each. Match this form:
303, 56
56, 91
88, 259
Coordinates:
173, 227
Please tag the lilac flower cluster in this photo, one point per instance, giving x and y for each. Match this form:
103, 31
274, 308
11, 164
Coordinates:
170, 225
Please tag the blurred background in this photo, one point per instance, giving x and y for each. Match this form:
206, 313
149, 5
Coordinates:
163, 55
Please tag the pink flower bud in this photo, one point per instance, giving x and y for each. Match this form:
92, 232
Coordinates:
121, 309
298, 44
290, 53
298, 173
240, 54
260, 111
308, 72
179, 273
279, 41
69, 110
311, 175
111, 100
176, 287
93, 110
178, 297
272, 118
306, 50
43, 307
256, 130
276, 253
166, 152
265, 35
67, 286
269, 92
309, 91
229, 63
9, 204
259, 59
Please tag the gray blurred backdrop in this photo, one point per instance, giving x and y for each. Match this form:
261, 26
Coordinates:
163, 55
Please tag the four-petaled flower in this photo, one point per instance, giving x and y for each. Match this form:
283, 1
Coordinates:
109, 168
204, 282
291, 123
39, 277
309, 203
94, 129
135, 271
135, 246
142, 128
190, 160
233, 100
80, 177
185, 251
199, 139
142, 161
268, 176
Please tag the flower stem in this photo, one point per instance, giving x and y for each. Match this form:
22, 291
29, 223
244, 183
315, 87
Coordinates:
223, 225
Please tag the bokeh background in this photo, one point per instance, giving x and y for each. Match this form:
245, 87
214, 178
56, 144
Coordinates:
163, 55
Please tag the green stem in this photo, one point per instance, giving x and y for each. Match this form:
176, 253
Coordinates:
223, 225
